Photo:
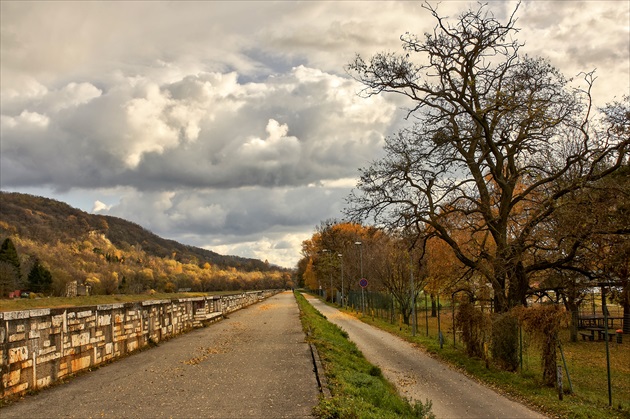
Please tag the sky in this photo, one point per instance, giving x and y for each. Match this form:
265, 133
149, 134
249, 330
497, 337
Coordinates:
233, 126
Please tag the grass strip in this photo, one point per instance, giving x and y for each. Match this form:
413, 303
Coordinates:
358, 388
20, 304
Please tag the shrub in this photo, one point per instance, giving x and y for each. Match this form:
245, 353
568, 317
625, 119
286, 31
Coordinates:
543, 321
474, 325
504, 346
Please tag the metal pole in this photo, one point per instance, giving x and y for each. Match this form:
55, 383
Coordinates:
341, 258
605, 310
520, 344
362, 289
426, 312
332, 295
440, 337
559, 380
453, 311
564, 361
413, 298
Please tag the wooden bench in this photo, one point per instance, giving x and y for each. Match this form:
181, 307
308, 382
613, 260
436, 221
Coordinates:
588, 335
601, 333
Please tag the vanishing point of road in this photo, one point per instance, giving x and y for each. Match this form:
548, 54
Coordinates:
254, 364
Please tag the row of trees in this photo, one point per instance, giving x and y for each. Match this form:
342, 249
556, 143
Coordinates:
509, 182
107, 269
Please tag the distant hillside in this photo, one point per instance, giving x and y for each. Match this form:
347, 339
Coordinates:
48, 221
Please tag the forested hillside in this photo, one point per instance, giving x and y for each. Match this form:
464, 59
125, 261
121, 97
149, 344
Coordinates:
110, 254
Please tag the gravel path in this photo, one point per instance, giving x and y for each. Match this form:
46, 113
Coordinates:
255, 364
420, 377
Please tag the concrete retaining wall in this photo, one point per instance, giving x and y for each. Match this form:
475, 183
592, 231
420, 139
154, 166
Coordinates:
40, 347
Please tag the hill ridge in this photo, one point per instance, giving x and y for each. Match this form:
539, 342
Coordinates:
48, 220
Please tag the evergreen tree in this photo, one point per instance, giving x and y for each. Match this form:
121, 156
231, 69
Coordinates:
9, 254
40, 278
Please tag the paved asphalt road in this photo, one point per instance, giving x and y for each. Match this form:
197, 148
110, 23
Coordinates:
255, 364
420, 377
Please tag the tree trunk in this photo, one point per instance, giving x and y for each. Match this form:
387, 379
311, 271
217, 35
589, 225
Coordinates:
549, 360
519, 285
406, 315
571, 304
433, 306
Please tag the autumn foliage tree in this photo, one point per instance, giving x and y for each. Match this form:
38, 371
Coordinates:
499, 140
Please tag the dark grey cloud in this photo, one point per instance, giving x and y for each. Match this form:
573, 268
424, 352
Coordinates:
231, 125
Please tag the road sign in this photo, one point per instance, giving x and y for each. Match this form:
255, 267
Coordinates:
363, 282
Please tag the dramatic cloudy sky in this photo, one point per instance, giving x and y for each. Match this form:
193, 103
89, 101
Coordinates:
231, 125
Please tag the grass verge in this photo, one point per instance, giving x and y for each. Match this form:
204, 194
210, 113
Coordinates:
19, 304
586, 364
358, 388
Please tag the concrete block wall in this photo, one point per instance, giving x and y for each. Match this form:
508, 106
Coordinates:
40, 347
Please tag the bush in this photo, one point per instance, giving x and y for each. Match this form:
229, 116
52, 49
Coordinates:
544, 322
505, 341
474, 325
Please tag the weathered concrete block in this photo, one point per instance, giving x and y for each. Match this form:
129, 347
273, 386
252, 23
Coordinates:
104, 320
48, 357
11, 378
76, 328
14, 315
57, 321
17, 354
80, 363
45, 351
18, 389
82, 314
80, 339
44, 325
44, 382
132, 345
39, 312
34, 334
106, 307
16, 337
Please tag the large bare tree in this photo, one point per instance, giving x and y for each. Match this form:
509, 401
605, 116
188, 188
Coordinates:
499, 140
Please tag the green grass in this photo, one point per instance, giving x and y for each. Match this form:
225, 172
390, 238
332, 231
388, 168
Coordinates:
92, 300
586, 362
358, 388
